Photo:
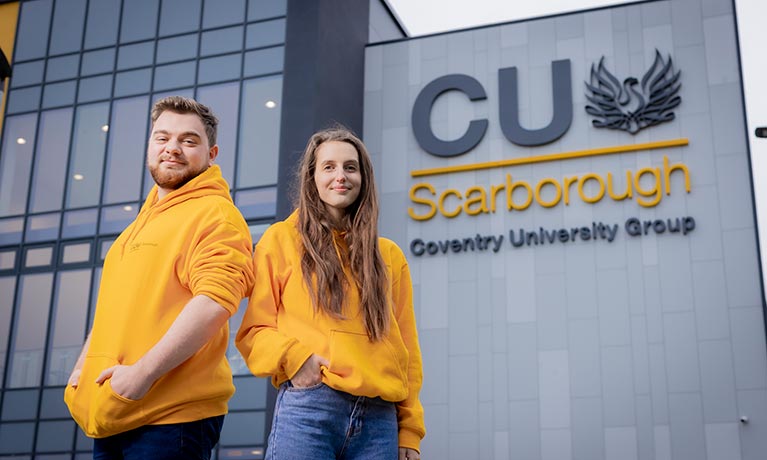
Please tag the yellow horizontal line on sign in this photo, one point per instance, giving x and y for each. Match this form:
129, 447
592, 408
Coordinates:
551, 157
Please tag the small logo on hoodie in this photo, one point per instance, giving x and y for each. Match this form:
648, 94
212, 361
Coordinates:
133, 247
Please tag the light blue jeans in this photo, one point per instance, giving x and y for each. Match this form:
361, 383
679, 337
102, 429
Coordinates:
320, 423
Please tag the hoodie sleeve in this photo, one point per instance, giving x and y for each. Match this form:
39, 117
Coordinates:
267, 351
221, 264
410, 411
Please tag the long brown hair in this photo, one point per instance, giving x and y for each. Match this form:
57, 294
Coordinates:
321, 263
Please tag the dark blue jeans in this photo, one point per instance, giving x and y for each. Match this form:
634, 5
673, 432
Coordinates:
177, 441
320, 423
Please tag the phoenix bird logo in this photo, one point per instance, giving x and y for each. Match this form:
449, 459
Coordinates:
632, 106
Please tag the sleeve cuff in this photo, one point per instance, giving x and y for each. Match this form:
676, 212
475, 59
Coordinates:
410, 439
295, 358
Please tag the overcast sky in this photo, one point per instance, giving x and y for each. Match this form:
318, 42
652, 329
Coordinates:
422, 17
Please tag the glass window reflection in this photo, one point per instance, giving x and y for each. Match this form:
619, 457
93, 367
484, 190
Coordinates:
55, 436
136, 55
265, 61
177, 48
70, 313
265, 33
114, 219
52, 405
7, 262
220, 68
94, 296
263, 9
59, 94
221, 41
42, 227
28, 73
62, 68
102, 25
38, 257
174, 76
250, 394
67, 29
87, 159
29, 334
8, 289
139, 20
127, 147
98, 61
259, 132
223, 100
94, 89
179, 16
24, 100
79, 223
242, 428
32, 33
76, 253
16, 437
133, 82
241, 453
10, 230
20, 405
222, 13
51, 160
16, 163
257, 204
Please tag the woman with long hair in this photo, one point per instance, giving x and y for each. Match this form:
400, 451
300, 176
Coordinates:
331, 318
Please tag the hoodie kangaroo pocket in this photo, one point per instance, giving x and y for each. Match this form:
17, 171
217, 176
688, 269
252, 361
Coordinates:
98, 410
364, 368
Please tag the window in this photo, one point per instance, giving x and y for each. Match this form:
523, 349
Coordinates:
32, 34
67, 28
127, 147
29, 330
70, 312
102, 23
16, 163
259, 132
51, 160
224, 100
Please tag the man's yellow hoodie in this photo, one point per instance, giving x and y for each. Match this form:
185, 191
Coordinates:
194, 241
280, 330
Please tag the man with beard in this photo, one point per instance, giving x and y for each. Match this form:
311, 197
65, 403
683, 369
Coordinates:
152, 381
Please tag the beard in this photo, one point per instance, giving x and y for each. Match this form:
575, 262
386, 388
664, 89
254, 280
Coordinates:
173, 179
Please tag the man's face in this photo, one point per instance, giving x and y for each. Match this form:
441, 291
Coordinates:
178, 150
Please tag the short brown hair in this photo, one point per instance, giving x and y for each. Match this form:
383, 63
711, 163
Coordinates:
183, 105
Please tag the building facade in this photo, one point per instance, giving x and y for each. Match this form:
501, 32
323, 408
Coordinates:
573, 194
84, 76
581, 292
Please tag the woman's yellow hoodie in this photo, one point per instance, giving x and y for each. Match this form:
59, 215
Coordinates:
192, 242
280, 330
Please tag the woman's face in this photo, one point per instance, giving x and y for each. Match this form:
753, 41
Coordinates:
337, 176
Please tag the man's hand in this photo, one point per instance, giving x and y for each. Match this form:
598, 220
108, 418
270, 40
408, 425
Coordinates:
127, 381
408, 454
310, 372
74, 378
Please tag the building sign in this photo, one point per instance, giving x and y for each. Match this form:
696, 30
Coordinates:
629, 106
573, 196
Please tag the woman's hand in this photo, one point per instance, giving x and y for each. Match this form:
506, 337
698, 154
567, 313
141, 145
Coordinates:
408, 454
310, 373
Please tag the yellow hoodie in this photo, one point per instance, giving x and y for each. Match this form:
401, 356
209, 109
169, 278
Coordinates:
192, 242
280, 330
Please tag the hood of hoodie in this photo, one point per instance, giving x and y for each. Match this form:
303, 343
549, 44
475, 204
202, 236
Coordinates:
208, 183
